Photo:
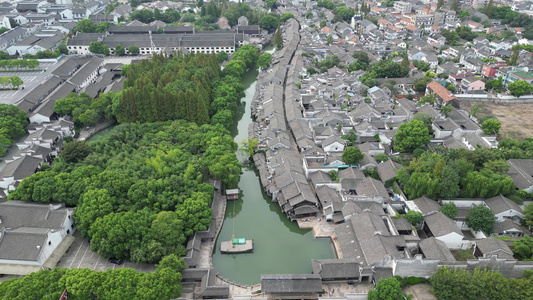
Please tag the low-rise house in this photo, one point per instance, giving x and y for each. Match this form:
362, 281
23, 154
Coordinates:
521, 171
432, 248
17, 169
34, 44
423, 205
336, 269
492, 246
504, 208
31, 233
444, 96
509, 228
334, 144
473, 86
387, 170
437, 225
291, 284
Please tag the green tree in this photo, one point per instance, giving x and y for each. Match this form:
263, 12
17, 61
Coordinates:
286, 16
143, 15
480, 218
75, 151
519, 88
455, 5
440, 4
523, 248
410, 136
414, 217
249, 146
268, 22
329, 39
352, 155
381, 157
491, 126
489, 8
350, 137
387, 288
264, 61
449, 209
85, 25
528, 213
98, 48
133, 49
463, 14
221, 57
120, 50
278, 39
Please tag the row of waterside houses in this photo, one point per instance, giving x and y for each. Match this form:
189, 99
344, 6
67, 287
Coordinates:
299, 131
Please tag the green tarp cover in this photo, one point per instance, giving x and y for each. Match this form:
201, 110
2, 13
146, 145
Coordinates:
239, 241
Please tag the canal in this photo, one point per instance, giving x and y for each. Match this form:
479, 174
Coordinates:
280, 246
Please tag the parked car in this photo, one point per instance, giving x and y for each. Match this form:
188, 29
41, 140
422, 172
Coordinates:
116, 261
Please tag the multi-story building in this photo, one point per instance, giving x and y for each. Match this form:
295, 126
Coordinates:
489, 70
403, 7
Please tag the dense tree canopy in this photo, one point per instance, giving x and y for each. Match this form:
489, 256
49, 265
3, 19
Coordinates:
387, 288
134, 180
12, 124
451, 284
480, 218
411, 136
520, 88
123, 283
460, 173
352, 155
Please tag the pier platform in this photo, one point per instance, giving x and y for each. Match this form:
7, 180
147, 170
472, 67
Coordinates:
237, 246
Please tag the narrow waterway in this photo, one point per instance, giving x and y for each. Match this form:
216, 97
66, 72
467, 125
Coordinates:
281, 247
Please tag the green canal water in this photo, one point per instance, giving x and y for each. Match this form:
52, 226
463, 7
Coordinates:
280, 246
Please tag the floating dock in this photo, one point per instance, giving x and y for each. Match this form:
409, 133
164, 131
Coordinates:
232, 194
237, 246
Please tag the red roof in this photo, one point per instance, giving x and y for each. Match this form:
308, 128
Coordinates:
441, 91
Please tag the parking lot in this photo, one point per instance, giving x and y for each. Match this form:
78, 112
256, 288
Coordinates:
80, 255
30, 79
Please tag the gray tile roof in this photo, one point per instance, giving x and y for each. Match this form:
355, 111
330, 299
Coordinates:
440, 225
387, 170
426, 205
21, 168
291, 283
508, 227
331, 269
22, 246
521, 171
493, 246
500, 204
435, 249
371, 187
374, 237
24, 214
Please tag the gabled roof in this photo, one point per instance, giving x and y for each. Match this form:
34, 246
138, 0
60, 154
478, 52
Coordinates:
493, 246
291, 283
500, 204
433, 248
21, 167
441, 225
387, 169
371, 187
336, 268
521, 171
441, 91
426, 205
